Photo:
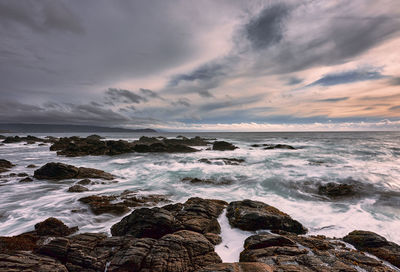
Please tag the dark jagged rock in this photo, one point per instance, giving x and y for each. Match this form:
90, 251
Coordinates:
223, 161
207, 181
278, 146
31, 166
60, 171
5, 165
77, 189
290, 252
22, 175
196, 214
255, 215
93, 145
25, 241
237, 267
53, 227
120, 204
222, 146
374, 244
27, 179
335, 190
29, 262
94, 137
182, 251
28, 139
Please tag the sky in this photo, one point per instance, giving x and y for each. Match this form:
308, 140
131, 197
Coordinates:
182, 65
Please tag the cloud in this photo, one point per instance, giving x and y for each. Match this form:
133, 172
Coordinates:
347, 77
394, 108
333, 99
293, 81
267, 28
124, 96
395, 81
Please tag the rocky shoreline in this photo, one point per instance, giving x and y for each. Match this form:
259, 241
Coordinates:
182, 236
162, 236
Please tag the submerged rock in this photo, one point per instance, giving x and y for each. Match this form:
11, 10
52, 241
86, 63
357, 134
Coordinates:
279, 146
335, 190
31, 166
27, 179
60, 171
207, 181
222, 146
225, 161
374, 244
77, 189
196, 214
256, 215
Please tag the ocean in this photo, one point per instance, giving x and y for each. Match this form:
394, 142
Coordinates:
285, 179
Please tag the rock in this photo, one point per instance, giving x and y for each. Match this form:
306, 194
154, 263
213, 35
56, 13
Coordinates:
26, 241
182, 251
53, 227
278, 146
5, 165
22, 175
162, 147
196, 214
222, 146
254, 215
223, 161
27, 179
28, 139
335, 190
31, 166
237, 267
374, 244
120, 204
207, 181
84, 182
215, 239
290, 252
60, 171
29, 262
94, 137
77, 189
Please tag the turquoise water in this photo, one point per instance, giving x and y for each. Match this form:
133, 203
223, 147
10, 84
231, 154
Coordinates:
285, 179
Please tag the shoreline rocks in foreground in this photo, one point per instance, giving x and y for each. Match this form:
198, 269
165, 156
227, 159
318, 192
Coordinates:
181, 237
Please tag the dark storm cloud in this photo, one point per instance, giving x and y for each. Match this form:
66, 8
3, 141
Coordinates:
205, 72
267, 28
182, 102
333, 99
53, 15
347, 77
123, 96
150, 93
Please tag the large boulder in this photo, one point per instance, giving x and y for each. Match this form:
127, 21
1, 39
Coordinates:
222, 146
60, 171
374, 244
290, 252
255, 215
196, 214
182, 251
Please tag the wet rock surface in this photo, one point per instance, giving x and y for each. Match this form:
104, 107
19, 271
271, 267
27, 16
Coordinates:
336, 190
289, 252
29, 262
255, 215
375, 244
54, 227
274, 146
60, 171
222, 161
221, 181
121, 204
222, 146
238, 267
5, 165
95, 146
196, 214
28, 139
77, 189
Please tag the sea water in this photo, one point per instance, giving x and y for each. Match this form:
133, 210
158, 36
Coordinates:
286, 179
